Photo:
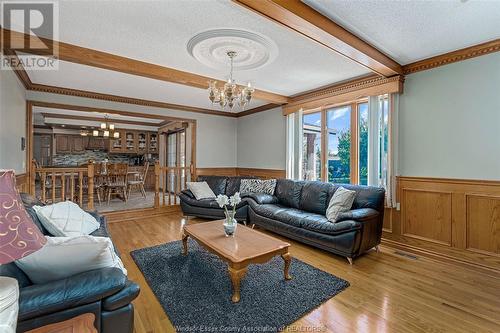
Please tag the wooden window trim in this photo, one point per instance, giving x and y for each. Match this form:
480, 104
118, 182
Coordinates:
354, 128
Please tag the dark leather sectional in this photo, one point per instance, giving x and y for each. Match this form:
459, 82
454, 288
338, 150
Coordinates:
107, 293
297, 210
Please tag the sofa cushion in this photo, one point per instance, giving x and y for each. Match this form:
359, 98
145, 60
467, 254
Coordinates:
320, 224
234, 183
314, 197
65, 219
366, 196
340, 202
62, 257
217, 183
200, 190
288, 192
291, 216
266, 186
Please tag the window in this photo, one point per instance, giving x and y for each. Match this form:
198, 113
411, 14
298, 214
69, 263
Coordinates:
311, 146
335, 144
383, 120
363, 143
339, 144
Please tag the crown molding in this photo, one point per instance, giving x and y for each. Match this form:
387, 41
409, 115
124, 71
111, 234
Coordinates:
101, 119
72, 107
451, 57
257, 109
343, 92
127, 100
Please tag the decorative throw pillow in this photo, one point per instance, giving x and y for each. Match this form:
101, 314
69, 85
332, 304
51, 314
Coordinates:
258, 186
200, 190
65, 219
340, 202
62, 257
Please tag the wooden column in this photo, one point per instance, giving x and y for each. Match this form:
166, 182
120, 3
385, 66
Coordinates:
157, 184
90, 175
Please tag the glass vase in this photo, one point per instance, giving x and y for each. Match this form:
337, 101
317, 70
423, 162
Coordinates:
230, 223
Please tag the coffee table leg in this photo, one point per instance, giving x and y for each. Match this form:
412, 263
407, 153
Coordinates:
236, 276
288, 259
185, 244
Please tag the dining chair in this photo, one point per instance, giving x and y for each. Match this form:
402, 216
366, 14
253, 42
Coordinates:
139, 182
116, 183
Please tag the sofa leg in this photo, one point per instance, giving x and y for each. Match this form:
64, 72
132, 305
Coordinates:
252, 225
349, 259
377, 248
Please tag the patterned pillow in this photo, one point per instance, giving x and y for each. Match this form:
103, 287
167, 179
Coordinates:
258, 186
340, 202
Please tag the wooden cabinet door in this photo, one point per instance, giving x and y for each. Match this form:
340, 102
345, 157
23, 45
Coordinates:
142, 142
78, 144
130, 141
117, 145
153, 143
63, 144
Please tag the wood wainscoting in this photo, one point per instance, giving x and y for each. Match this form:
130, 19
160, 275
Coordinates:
23, 183
454, 219
228, 171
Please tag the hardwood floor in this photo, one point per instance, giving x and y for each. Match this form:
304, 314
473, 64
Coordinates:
390, 291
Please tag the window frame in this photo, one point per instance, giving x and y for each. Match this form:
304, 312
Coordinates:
354, 128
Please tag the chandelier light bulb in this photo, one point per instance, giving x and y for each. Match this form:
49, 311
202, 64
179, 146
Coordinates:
112, 127
106, 134
116, 135
103, 125
95, 133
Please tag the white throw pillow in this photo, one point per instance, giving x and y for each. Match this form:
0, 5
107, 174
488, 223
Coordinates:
9, 305
62, 257
65, 219
258, 186
201, 190
340, 202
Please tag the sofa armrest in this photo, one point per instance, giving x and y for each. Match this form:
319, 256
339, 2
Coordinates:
261, 198
121, 298
362, 214
84, 288
188, 193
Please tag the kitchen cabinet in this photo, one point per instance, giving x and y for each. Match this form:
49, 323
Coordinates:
63, 144
117, 145
78, 144
142, 142
97, 143
153, 143
130, 141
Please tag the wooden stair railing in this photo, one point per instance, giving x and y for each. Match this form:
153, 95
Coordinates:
169, 182
53, 179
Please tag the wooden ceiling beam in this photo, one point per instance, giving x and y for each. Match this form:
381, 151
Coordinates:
89, 57
99, 119
298, 16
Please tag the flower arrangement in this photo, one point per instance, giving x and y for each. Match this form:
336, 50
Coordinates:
233, 201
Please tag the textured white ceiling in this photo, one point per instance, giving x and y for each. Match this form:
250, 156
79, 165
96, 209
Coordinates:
158, 32
76, 76
409, 31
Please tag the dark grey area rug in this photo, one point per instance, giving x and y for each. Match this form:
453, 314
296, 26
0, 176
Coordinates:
195, 290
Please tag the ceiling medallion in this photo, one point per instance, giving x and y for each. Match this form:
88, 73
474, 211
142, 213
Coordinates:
253, 50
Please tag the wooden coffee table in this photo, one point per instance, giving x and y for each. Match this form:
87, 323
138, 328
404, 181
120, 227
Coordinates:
247, 247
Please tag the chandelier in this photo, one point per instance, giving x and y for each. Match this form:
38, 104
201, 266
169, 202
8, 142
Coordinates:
106, 129
230, 94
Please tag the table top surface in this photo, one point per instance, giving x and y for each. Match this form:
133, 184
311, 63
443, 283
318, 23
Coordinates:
246, 243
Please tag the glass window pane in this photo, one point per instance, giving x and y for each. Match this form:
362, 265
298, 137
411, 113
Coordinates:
311, 146
339, 144
363, 143
384, 139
